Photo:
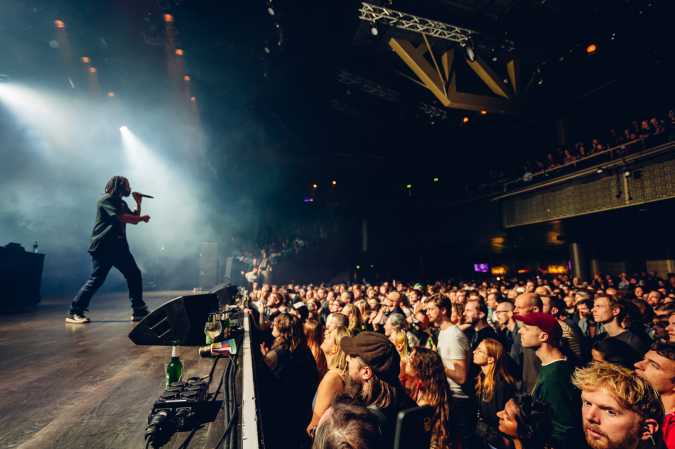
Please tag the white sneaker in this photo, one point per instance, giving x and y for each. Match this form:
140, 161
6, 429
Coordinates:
77, 318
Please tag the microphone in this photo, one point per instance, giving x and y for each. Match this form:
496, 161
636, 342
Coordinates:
143, 195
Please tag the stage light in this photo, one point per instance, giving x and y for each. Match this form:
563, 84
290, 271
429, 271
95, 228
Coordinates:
59, 24
111, 94
591, 49
408, 186
186, 78
465, 120
168, 18
179, 52
470, 53
436, 179
333, 183
315, 186
92, 70
483, 112
270, 8
85, 59
193, 99
124, 129
374, 31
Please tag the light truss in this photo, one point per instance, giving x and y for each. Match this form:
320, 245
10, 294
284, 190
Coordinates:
408, 22
368, 86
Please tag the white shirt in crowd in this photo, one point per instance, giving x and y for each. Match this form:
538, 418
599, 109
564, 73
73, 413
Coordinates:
453, 345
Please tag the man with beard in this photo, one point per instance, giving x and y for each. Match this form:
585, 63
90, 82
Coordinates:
109, 248
619, 410
372, 377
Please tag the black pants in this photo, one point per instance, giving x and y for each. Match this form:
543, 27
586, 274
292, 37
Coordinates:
102, 261
463, 421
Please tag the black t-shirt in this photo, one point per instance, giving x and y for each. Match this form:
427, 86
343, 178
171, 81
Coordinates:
109, 229
638, 344
476, 337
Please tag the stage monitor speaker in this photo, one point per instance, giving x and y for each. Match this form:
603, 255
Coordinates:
226, 294
179, 322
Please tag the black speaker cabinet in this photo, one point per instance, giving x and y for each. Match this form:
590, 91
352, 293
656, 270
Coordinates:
178, 322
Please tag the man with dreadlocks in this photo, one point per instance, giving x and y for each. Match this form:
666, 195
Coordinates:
109, 248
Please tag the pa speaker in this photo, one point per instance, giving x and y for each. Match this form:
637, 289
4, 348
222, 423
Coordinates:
178, 322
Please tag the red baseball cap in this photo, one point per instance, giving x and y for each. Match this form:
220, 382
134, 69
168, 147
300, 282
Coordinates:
544, 321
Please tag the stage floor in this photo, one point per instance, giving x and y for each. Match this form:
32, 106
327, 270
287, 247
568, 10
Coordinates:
86, 386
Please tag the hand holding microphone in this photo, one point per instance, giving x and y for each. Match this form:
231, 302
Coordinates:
138, 197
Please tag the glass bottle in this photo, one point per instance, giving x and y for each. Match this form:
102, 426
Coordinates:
174, 370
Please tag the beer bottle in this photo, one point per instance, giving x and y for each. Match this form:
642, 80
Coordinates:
174, 370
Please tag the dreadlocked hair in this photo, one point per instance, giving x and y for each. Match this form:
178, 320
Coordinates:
433, 388
116, 185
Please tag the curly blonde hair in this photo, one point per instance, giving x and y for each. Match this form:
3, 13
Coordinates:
629, 390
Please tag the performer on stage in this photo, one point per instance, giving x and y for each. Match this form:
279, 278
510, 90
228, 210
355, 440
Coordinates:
109, 248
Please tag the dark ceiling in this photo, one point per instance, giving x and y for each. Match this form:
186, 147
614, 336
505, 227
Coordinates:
331, 99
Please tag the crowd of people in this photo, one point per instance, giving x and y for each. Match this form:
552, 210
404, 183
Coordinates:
541, 363
651, 131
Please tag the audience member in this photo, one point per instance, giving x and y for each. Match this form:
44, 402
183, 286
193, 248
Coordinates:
610, 312
453, 347
432, 389
658, 368
348, 425
525, 423
494, 386
619, 409
542, 332
527, 363
333, 382
372, 377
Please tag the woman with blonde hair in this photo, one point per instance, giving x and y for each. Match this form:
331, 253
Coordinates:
333, 382
494, 387
314, 333
355, 322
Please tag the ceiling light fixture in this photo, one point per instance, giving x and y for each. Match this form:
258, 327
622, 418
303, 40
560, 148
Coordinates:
591, 49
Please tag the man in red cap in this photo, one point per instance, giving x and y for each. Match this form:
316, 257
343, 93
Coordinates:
541, 331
